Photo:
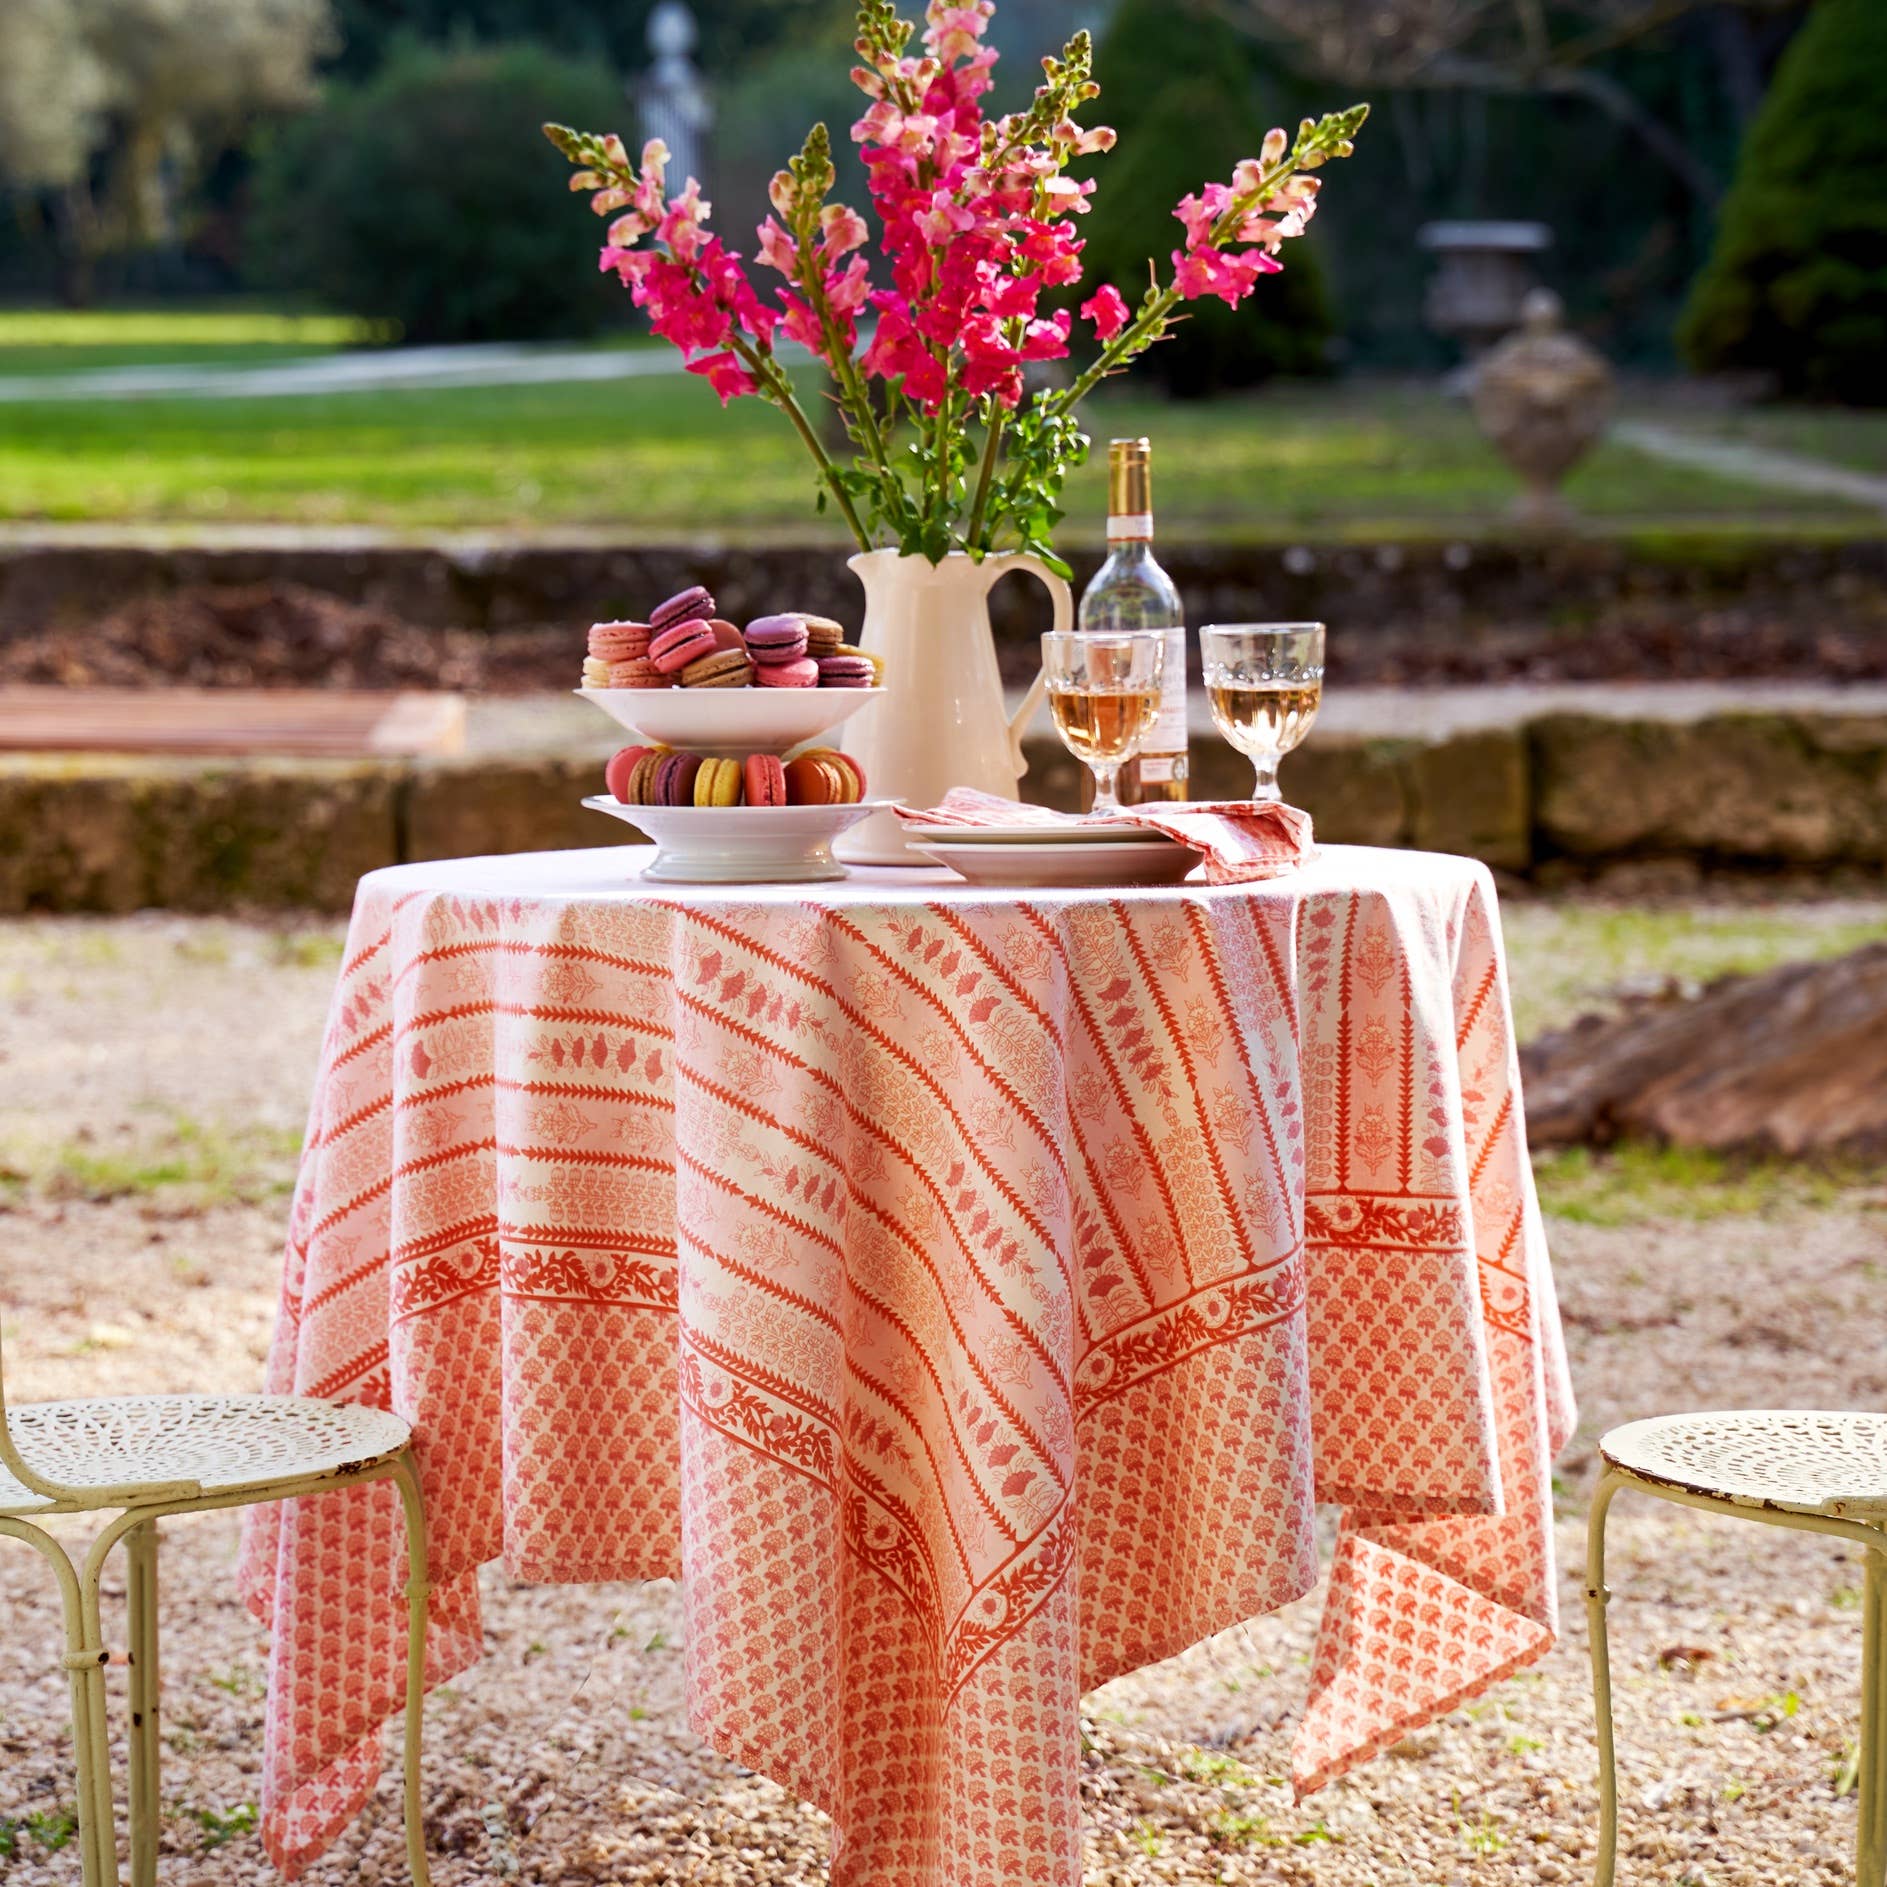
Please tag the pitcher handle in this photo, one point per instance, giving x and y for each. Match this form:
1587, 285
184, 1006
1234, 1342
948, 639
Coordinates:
1064, 604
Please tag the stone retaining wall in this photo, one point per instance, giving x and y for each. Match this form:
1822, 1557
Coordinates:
1562, 795
469, 582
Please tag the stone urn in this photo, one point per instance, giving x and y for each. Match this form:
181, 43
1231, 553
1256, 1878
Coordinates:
1543, 398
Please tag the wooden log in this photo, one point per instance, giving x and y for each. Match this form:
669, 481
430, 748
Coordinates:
1791, 1061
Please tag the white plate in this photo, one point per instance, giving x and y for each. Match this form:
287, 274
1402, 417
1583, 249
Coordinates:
1096, 832
732, 721
739, 845
1157, 862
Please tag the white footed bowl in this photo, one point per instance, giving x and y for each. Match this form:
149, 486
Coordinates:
740, 845
730, 721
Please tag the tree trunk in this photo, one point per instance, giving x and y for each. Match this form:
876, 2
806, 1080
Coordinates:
75, 245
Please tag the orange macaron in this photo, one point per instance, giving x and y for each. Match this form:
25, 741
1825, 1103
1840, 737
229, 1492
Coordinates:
823, 776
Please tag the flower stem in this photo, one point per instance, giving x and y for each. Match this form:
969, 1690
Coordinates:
780, 389
992, 452
1128, 342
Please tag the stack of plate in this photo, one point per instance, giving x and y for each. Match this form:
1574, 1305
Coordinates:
1093, 852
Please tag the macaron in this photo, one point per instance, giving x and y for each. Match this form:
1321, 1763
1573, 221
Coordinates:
621, 764
718, 783
681, 643
675, 780
619, 641
846, 763
801, 672
765, 780
821, 777
595, 673
846, 671
823, 635
682, 607
719, 668
640, 786
777, 638
727, 635
864, 655
641, 673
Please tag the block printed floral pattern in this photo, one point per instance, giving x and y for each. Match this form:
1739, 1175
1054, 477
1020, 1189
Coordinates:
969, 1299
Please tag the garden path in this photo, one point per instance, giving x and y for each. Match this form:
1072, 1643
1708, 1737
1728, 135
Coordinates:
1756, 465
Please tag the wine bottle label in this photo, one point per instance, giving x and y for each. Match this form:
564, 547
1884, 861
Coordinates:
1130, 528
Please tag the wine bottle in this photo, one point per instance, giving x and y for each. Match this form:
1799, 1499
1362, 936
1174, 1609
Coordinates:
1131, 591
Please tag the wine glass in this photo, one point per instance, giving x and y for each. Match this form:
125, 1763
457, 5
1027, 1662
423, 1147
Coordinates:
1264, 681
1104, 692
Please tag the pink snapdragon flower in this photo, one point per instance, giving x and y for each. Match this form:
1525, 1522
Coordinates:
724, 373
1106, 310
841, 230
1227, 274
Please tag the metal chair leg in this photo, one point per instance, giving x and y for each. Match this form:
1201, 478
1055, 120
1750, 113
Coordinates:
418, 1592
1872, 1759
145, 1748
83, 1660
1597, 1598
97, 1732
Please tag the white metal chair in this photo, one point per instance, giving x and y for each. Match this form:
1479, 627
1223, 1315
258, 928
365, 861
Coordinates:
1816, 1471
152, 1456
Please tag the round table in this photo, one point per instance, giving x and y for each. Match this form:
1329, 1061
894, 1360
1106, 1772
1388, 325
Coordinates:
967, 1295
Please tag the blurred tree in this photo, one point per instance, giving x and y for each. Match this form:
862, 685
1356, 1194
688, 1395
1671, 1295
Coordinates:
1797, 286
733, 32
105, 105
427, 196
1182, 89
1512, 47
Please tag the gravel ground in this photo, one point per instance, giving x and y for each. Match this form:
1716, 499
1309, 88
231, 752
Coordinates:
152, 1075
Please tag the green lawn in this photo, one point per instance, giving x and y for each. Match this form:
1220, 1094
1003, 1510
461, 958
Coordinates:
53, 341
1565, 958
656, 456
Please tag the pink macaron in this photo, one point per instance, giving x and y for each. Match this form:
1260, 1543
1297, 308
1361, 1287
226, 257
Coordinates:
765, 780
800, 673
846, 671
681, 643
683, 606
619, 641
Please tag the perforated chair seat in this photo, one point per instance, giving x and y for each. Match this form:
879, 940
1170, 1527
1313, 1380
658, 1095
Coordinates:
224, 1444
1797, 1461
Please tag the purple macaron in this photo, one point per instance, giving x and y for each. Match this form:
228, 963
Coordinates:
776, 638
846, 671
693, 601
675, 779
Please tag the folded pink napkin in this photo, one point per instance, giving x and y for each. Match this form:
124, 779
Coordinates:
1241, 840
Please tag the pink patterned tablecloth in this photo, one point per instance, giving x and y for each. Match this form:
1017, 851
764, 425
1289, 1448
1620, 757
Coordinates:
967, 1296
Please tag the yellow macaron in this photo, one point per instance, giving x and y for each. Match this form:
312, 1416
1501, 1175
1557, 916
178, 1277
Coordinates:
718, 783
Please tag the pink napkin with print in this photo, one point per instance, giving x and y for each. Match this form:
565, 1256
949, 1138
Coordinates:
1240, 839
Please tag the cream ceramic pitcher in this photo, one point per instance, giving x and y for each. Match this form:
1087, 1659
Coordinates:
941, 722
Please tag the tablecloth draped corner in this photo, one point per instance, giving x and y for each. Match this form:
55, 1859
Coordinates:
968, 1295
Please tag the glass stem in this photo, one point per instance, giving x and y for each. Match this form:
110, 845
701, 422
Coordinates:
1265, 767
1105, 774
